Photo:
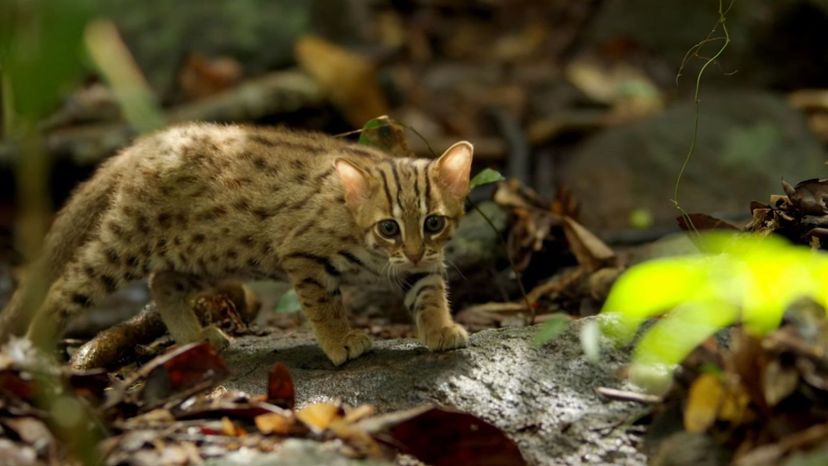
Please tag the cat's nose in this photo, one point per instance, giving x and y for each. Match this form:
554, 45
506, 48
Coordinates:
415, 255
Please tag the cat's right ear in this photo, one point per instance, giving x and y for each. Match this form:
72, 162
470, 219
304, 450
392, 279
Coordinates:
354, 182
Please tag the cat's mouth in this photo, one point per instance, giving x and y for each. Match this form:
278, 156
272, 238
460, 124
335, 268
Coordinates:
420, 267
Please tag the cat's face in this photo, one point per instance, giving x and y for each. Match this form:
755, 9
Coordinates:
409, 208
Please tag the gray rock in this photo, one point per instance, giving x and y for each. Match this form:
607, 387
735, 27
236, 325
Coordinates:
542, 397
293, 452
747, 142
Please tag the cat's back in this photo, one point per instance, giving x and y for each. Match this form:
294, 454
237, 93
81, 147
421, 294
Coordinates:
210, 159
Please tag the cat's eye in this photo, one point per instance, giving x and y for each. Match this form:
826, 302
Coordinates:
434, 224
388, 228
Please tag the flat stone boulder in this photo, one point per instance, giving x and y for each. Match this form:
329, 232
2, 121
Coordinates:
543, 397
747, 142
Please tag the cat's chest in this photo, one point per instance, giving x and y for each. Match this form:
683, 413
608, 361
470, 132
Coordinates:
357, 266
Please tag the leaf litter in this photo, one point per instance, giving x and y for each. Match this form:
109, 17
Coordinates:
174, 410
757, 401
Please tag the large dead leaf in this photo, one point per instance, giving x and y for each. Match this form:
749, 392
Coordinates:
280, 389
443, 437
187, 369
349, 79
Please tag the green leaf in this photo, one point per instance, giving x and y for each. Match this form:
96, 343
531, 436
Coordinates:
487, 176
289, 302
551, 329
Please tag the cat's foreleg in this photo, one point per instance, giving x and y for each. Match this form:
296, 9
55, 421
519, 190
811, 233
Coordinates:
426, 299
321, 301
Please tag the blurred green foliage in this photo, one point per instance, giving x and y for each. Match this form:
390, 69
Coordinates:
41, 51
743, 279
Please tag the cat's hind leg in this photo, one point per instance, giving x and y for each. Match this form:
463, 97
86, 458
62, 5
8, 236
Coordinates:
174, 293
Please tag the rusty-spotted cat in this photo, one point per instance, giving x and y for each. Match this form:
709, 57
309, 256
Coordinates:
198, 203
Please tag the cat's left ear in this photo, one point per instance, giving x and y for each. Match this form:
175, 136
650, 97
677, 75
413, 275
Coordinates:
453, 168
354, 182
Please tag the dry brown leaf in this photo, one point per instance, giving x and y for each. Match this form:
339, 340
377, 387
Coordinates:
280, 390
778, 382
809, 99
318, 416
699, 221
589, 250
556, 285
203, 76
349, 79
771, 455
630, 92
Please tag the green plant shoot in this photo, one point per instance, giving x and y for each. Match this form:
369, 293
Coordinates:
734, 279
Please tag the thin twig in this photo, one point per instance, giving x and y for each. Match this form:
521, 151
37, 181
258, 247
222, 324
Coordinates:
626, 395
722, 22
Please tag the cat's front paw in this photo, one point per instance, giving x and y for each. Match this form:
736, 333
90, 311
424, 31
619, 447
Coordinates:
351, 346
216, 337
445, 338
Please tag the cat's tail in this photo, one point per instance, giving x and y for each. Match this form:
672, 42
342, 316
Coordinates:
71, 228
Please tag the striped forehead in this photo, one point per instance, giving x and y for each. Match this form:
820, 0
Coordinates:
406, 186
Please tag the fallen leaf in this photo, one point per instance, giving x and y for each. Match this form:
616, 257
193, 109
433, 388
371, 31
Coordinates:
318, 416
349, 79
280, 389
778, 382
702, 222
443, 437
230, 428
184, 370
809, 196
275, 423
30, 430
589, 250
355, 437
703, 402
203, 76
14, 384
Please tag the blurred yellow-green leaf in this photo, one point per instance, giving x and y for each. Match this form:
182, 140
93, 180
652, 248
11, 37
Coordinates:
733, 279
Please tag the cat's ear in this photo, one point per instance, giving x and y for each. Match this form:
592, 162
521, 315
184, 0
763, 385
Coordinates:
452, 169
354, 182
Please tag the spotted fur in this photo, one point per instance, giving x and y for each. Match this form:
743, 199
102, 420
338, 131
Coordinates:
195, 204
